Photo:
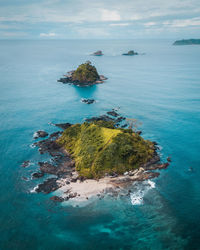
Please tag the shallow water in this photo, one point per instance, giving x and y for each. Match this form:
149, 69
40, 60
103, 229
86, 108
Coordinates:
160, 88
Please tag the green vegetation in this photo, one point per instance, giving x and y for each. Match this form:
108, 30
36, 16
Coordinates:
99, 148
85, 73
187, 42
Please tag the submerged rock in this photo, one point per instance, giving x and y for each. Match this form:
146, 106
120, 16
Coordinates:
57, 198
25, 164
38, 175
87, 101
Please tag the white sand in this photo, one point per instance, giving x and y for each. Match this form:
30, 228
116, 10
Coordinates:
87, 188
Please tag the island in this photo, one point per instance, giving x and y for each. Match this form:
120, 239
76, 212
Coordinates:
95, 158
97, 53
86, 74
130, 53
187, 42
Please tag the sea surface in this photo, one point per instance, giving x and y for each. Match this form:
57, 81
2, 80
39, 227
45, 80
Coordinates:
160, 88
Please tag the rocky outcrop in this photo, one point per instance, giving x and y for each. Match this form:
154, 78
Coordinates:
40, 133
61, 169
84, 75
48, 186
63, 125
47, 145
130, 53
113, 113
98, 53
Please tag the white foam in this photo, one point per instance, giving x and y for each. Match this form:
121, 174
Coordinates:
35, 135
151, 184
34, 189
137, 197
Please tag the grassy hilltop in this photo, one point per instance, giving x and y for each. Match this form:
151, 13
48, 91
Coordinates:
85, 73
100, 148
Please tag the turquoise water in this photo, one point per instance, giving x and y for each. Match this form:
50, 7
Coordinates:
160, 88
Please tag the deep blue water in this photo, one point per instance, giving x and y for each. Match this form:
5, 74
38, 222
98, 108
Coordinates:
161, 89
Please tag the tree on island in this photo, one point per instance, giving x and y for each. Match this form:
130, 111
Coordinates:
85, 73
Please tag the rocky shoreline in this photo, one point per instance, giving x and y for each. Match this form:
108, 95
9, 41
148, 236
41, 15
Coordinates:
68, 79
66, 179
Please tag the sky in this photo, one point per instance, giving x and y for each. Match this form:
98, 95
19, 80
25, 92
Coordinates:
99, 19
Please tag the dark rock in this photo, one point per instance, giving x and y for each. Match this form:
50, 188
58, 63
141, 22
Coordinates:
63, 125
48, 186
154, 160
81, 178
25, 164
100, 118
40, 133
47, 145
38, 175
55, 134
169, 159
102, 78
59, 170
124, 126
130, 53
57, 198
139, 132
88, 101
98, 53
47, 168
120, 119
157, 166
113, 113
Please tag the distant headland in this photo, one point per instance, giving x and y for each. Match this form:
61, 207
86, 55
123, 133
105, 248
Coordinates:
187, 42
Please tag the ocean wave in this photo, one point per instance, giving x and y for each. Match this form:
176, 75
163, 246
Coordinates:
34, 189
141, 190
32, 145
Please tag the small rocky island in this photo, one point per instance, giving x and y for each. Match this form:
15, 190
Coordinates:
98, 53
130, 53
85, 75
187, 42
97, 157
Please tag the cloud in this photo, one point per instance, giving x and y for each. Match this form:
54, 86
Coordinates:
110, 15
51, 34
13, 34
149, 24
183, 22
119, 24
